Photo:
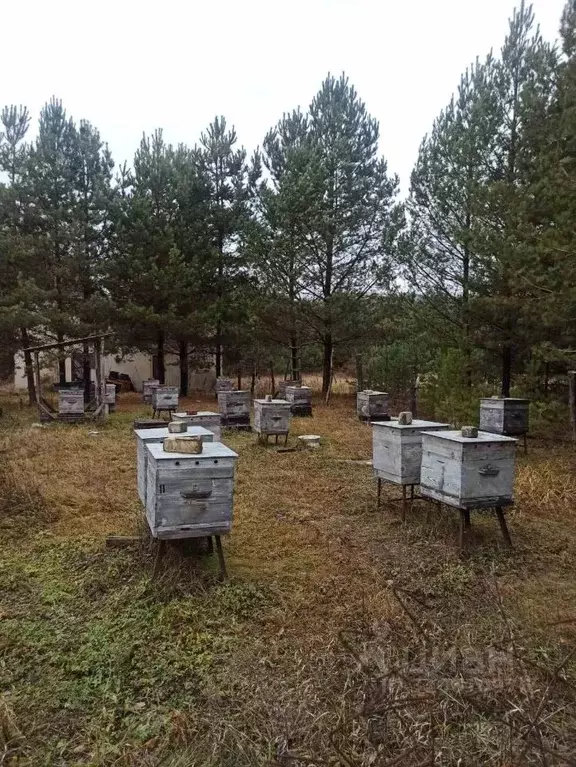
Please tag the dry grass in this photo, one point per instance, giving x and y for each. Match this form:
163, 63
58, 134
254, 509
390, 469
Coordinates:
343, 638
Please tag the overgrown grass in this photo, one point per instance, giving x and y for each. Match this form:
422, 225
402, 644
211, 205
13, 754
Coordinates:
341, 638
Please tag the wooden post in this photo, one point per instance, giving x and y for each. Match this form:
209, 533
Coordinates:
572, 400
37, 376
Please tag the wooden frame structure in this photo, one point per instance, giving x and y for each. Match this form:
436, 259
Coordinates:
45, 410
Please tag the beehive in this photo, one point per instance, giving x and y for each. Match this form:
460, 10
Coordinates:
110, 397
205, 418
71, 403
300, 399
234, 407
283, 384
157, 436
397, 449
504, 415
224, 384
468, 472
165, 398
147, 389
271, 416
372, 405
190, 496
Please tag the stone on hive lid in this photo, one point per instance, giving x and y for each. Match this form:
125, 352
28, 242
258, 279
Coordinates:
405, 418
471, 432
177, 427
184, 444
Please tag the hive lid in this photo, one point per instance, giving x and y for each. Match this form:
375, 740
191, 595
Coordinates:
185, 415
483, 437
210, 450
191, 431
416, 424
272, 402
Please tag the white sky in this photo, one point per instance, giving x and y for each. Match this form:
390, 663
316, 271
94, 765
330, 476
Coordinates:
130, 66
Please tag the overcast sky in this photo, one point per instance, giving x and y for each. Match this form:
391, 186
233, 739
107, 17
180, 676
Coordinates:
130, 66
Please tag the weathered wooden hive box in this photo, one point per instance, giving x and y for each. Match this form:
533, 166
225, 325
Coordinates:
397, 449
282, 386
188, 496
165, 398
468, 472
71, 404
504, 415
110, 397
206, 418
300, 399
157, 436
371, 404
147, 389
234, 407
271, 416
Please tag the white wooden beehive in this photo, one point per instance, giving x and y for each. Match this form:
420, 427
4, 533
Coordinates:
234, 406
110, 395
190, 496
283, 384
271, 416
397, 449
371, 404
300, 399
206, 418
468, 472
504, 415
165, 398
157, 436
147, 389
71, 402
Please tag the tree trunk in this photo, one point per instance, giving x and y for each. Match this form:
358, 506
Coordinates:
160, 357
272, 379
506, 368
253, 380
294, 359
183, 357
32, 399
359, 373
218, 349
327, 364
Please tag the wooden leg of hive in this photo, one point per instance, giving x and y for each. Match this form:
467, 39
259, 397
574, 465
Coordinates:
210, 544
160, 551
223, 573
467, 519
286, 439
503, 526
379, 493
525, 444
404, 503
462, 530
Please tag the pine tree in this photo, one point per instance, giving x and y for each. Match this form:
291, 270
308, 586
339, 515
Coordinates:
353, 221
230, 182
